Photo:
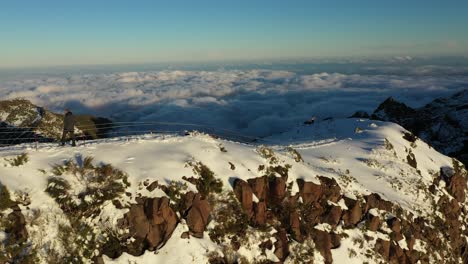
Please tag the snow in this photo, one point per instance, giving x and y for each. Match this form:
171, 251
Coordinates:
330, 148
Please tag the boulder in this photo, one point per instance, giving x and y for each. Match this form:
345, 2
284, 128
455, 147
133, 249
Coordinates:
331, 191
198, 216
259, 187
260, 213
309, 191
137, 222
397, 255
295, 225
335, 240
162, 221
374, 223
375, 201
323, 243
333, 215
353, 215
277, 189
281, 245
383, 248
244, 194
150, 222
456, 187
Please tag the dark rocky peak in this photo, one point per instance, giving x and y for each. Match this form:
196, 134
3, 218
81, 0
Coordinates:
392, 110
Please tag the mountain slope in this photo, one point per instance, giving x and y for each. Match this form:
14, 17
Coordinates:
339, 190
22, 121
442, 123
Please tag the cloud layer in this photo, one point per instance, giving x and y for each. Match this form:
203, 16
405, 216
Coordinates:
251, 102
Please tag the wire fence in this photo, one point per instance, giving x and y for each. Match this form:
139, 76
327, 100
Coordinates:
10, 135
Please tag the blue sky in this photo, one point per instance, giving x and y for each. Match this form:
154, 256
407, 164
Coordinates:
49, 32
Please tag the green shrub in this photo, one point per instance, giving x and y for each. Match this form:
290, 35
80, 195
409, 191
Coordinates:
206, 183
103, 183
296, 155
229, 218
5, 200
18, 160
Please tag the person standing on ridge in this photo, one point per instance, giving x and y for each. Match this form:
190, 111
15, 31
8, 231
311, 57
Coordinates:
68, 127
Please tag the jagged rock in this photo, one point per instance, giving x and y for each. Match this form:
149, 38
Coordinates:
441, 123
331, 191
260, 213
410, 241
150, 222
397, 255
413, 256
185, 235
277, 189
383, 248
335, 240
323, 243
360, 114
281, 245
333, 216
266, 245
137, 222
244, 194
259, 187
198, 216
395, 225
354, 214
309, 191
456, 184
391, 109
152, 186
162, 221
375, 201
374, 223
295, 225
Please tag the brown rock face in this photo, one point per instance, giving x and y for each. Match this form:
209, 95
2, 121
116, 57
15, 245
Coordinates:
335, 240
295, 224
309, 191
330, 189
354, 214
375, 201
383, 248
323, 242
333, 216
277, 189
397, 255
259, 187
374, 223
150, 222
137, 221
162, 221
198, 216
281, 245
244, 194
457, 187
260, 213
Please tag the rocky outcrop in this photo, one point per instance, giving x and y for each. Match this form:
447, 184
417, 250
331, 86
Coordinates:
443, 123
150, 224
198, 215
21, 121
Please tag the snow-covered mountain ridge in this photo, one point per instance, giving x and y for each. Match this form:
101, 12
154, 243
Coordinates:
443, 123
352, 190
22, 121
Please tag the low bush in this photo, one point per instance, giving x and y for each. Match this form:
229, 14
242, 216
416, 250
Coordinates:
18, 160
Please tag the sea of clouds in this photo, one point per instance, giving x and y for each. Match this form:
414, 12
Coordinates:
250, 102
